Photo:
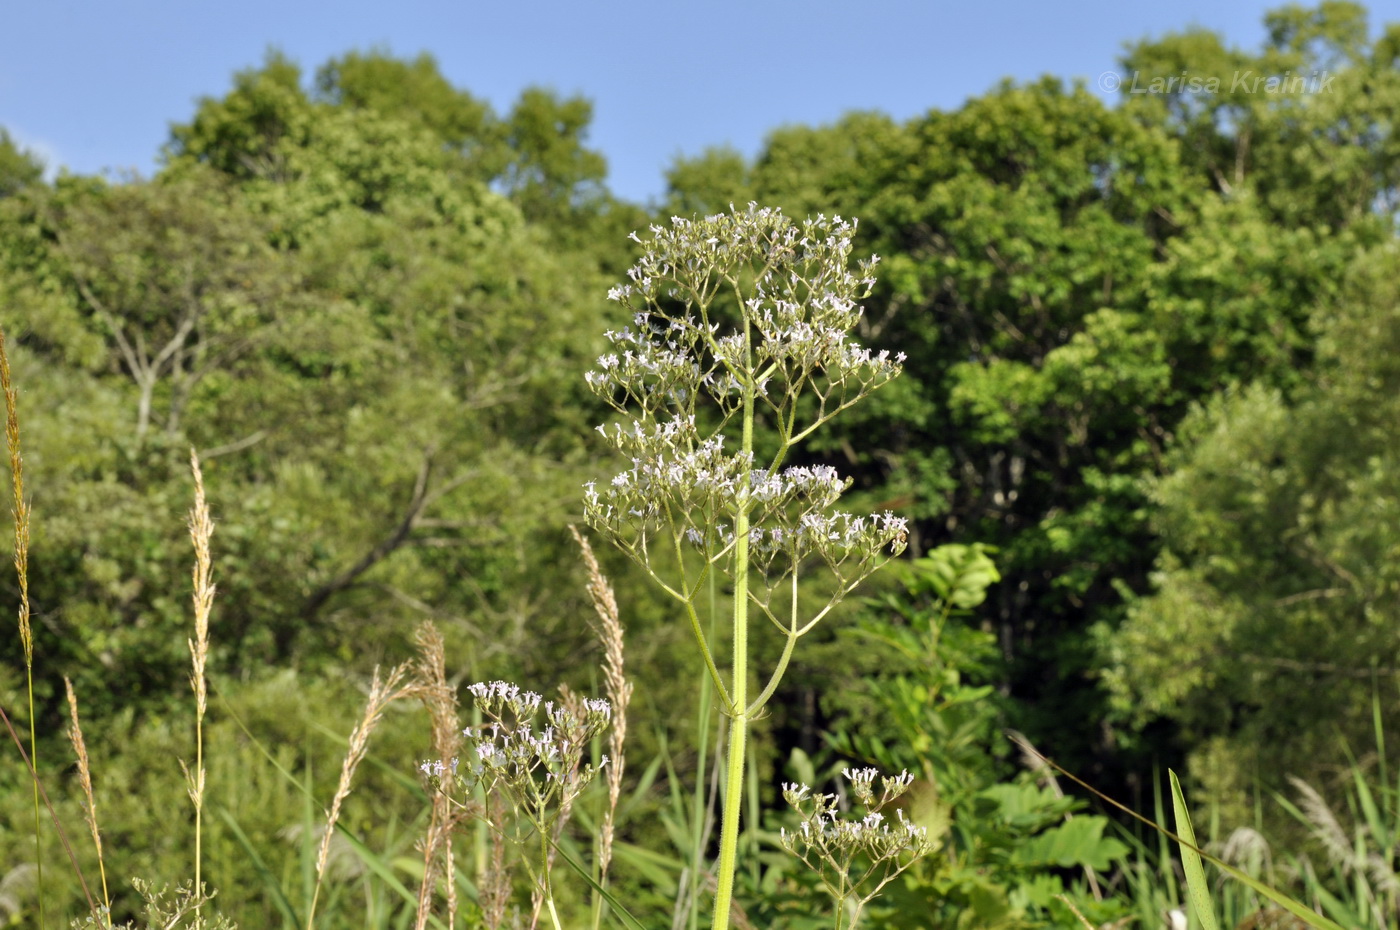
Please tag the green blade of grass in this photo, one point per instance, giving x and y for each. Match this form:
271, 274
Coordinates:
384, 871
1197, 888
274, 887
1298, 910
618, 910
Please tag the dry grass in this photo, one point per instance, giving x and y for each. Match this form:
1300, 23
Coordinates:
21, 506
75, 736
381, 694
26, 633
439, 698
201, 531
1325, 826
608, 627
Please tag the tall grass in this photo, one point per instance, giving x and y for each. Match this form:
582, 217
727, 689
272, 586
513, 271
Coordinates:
26, 634
201, 530
75, 736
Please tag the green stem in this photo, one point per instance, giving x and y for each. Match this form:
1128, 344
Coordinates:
545, 888
739, 713
34, 767
199, 809
697, 817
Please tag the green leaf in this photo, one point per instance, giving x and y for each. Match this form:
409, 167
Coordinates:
1191, 860
1076, 842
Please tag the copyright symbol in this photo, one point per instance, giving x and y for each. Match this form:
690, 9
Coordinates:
1110, 81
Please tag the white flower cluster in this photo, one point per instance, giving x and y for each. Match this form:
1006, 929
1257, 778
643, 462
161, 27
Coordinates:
539, 770
870, 835
676, 368
834, 537
802, 338
801, 312
673, 471
519, 754
654, 367
830, 843
437, 768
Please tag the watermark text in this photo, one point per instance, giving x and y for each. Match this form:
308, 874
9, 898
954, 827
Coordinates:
1244, 81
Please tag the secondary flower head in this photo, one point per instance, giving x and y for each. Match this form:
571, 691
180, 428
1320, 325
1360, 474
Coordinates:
530, 749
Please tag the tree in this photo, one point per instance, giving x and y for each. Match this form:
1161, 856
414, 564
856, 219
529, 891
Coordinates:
18, 168
1316, 144
364, 343
179, 276
1067, 280
416, 92
1272, 621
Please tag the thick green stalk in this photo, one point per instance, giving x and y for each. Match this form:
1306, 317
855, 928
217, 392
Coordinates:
697, 816
738, 690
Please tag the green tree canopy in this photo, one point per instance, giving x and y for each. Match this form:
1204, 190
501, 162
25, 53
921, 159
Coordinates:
18, 168
1273, 620
1068, 278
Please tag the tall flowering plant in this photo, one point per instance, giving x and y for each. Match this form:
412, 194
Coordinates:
739, 320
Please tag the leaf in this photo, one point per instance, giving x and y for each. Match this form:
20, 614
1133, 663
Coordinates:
1076, 842
621, 912
957, 574
1196, 884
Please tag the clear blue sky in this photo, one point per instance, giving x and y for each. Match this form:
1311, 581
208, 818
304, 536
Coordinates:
94, 85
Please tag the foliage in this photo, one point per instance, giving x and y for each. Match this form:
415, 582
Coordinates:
18, 168
1272, 610
1068, 279
1004, 839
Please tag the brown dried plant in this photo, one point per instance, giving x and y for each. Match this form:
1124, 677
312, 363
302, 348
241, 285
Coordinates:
608, 628
75, 736
439, 698
381, 695
495, 883
201, 531
21, 506
26, 634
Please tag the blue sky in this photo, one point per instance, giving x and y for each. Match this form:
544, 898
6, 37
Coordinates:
94, 85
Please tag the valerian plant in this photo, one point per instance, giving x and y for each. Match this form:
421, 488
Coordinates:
849, 854
540, 771
739, 320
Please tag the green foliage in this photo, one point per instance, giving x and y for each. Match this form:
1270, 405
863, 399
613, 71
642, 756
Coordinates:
18, 168
166, 910
1191, 860
416, 92
1271, 613
321, 303
1003, 837
1316, 155
1068, 279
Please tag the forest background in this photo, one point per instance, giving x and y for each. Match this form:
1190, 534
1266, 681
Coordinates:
1153, 366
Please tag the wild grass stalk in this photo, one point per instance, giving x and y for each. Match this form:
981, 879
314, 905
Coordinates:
439, 698
20, 512
381, 694
608, 628
201, 531
75, 736
26, 634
